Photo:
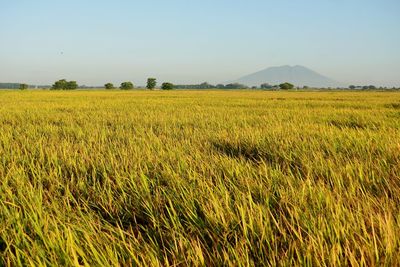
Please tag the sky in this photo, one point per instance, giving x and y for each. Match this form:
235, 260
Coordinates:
192, 41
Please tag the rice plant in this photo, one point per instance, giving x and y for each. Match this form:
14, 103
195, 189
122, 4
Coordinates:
199, 178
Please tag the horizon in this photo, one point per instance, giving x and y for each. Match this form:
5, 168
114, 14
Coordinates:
352, 42
237, 81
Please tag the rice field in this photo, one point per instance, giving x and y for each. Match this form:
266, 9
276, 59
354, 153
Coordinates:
199, 178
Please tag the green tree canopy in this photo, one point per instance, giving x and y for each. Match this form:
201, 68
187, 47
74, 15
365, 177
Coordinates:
236, 86
126, 86
64, 85
266, 86
167, 86
71, 85
286, 86
59, 85
109, 86
151, 83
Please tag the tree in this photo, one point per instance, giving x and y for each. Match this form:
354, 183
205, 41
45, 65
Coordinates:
126, 86
235, 86
23, 86
286, 86
64, 85
109, 86
151, 83
220, 86
352, 87
266, 86
167, 86
71, 85
205, 85
59, 85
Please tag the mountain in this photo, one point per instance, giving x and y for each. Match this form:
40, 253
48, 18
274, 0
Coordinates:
297, 75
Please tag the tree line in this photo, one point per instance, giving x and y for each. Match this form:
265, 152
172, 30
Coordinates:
128, 85
63, 84
205, 85
152, 83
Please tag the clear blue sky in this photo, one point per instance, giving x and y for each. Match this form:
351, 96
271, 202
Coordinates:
183, 41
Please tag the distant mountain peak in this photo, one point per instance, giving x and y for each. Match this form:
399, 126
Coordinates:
297, 75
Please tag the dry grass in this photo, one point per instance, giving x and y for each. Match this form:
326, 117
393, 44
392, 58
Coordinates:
199, 178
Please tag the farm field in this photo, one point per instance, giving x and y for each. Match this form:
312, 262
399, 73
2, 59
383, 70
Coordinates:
202, 178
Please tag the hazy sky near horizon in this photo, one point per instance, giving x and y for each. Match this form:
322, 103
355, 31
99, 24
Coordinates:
98, 41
